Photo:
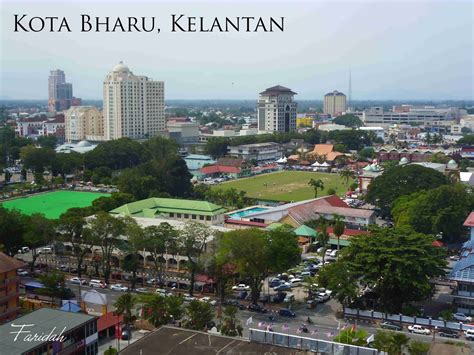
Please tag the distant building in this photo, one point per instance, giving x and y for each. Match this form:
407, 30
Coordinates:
183, 132
259, 151
60, 96
197, 161
304, 122
80, 147
334, 103
235, 168
171, 208
432, 119
329, 127
9, 292
276, 110
78, 331
38, 126
134, 106
378, 131
84, 122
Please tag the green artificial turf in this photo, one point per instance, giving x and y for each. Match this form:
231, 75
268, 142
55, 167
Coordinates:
285, 185
52, 204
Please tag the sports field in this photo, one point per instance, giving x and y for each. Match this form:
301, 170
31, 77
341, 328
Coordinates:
53, 204
285, 185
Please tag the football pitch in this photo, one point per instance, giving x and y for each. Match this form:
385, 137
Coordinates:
52, 204
286, 185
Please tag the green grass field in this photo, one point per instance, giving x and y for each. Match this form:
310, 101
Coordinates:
285, 185
53, 204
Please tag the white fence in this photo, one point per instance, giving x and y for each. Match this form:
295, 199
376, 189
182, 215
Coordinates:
309, 344
400, 318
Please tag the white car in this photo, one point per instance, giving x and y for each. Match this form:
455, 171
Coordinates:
119, 287
241, 287
469, 333
46, 250
461, 317
189, 298
77, 281
162, 292
418, 329
141, 290
295, 282
208, 300
22, 272
97, 284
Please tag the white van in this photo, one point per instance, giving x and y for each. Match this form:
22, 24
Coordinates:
295, 282
97, 284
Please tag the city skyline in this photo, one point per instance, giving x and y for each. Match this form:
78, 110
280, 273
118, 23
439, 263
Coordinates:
396, 51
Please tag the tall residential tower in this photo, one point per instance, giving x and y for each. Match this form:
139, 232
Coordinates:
335, 103
134, 105
276, 110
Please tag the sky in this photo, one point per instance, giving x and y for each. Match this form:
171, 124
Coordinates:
394, 49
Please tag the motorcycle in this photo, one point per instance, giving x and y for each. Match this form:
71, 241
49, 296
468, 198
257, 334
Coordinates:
303, 328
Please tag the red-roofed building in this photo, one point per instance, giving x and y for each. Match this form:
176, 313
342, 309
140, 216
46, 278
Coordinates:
107, 325
235, 168
469, 222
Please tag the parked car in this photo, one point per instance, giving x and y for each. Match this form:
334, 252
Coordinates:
391, 326
469, 334
275, 282
126, 334
241, 287
279, 297
189, 298
454, 257
289, 297
22, 272
307, 274
234, 303
295, 282
448, 333
152, 281
162, 292
333, 254
23, 250
284, 312
256, 308
141, 290
283, 287
418, 329
208, 300
461, 317
97, 284
45, 250
119, 287
77, 281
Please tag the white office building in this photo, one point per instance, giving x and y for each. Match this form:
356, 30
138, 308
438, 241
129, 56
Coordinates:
376, 116
276, 110
134, 105
259, 151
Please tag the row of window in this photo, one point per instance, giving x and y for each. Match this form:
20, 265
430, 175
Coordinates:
192, 216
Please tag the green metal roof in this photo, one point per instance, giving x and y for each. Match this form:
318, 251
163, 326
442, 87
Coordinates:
44, 320
305, 231
153, 207
342, 242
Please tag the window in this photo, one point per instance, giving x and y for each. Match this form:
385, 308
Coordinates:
172, 215
208, 218
201, 218
193, 216
186, 215
178, 215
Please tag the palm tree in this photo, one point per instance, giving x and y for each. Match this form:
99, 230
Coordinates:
323, 235
346, 174
398, 341
418, 347
316, 184
338, 229
124, 307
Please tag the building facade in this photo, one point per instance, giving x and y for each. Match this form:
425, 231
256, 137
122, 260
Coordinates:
259, 151
134, 106
59, 92
38, 126
335, 103
435, 120
83, 122
9, 291
276, 110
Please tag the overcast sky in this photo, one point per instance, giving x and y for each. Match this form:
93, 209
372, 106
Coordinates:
397, 50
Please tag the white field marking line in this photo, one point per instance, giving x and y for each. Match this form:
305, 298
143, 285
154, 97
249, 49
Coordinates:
185, 340
232, 342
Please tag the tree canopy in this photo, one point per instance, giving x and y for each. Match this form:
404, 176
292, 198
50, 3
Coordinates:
394, 264
399, 181
348, 120
440, 210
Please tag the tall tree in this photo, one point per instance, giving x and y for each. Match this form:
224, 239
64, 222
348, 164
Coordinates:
192, 243
199, 314
105, 231
132, 246
323, 235
160, 240
12, 223
338, 229
346, 174
316, 185
399, 181
124, 307
40, 231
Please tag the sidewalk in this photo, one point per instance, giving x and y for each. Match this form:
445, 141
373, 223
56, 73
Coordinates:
136, 335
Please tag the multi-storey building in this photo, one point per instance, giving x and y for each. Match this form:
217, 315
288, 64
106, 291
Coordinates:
60, 92
38, 126
276, 110
84, 123
134, 106
432, 119
259, 151
9, 292
334, 103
